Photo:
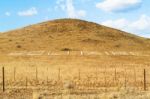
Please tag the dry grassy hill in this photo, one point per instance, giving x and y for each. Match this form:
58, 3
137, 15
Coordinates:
72, 75
70, 34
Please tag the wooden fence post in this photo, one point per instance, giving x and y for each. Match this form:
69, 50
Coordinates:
135, 76
59, 74
96, 74
115, 78
115, 74
47, 76
36, 74
14, 74
105, 79
144, 80
125, 78
26, 82
79, 75
3, 74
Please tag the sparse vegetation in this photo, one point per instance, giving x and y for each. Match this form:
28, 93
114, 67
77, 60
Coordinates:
115, 81
65, 49
19, 46
65, 73
71, 32
118, 45
10, 40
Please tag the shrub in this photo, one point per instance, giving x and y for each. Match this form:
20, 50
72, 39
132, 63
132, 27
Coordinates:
66, 49
118, 45
18, 46
10, 40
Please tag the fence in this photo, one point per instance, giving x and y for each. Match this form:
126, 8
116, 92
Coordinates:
98, 79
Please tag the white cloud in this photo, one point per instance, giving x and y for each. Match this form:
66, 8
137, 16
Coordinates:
30, 12
140, 26
72, 12
46, 18
69, 8
118, 5
119, 23
84, 1
81, 13
7, 13
59, 1
60, 4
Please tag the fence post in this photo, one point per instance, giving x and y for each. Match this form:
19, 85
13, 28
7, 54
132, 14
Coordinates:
115, 74
59, 74
115, 82
36, 74
135, 76
125, 78
105, 79
26, 82
79, 75
3, 74
14, 73
144, 80
96, 74
47, 76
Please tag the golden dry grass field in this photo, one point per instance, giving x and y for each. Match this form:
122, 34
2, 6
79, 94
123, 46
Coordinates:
74, 74
73, 59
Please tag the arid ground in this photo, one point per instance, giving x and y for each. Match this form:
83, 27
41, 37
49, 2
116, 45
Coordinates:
73, 59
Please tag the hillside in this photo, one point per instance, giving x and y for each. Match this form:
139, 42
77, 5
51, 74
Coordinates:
70, 34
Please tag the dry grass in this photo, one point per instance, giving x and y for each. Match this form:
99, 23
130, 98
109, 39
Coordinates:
76, 76
73, 76
72, 34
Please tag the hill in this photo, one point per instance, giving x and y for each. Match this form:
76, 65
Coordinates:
73, 74
70, 34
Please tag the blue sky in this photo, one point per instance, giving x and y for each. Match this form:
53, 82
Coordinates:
129, 15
